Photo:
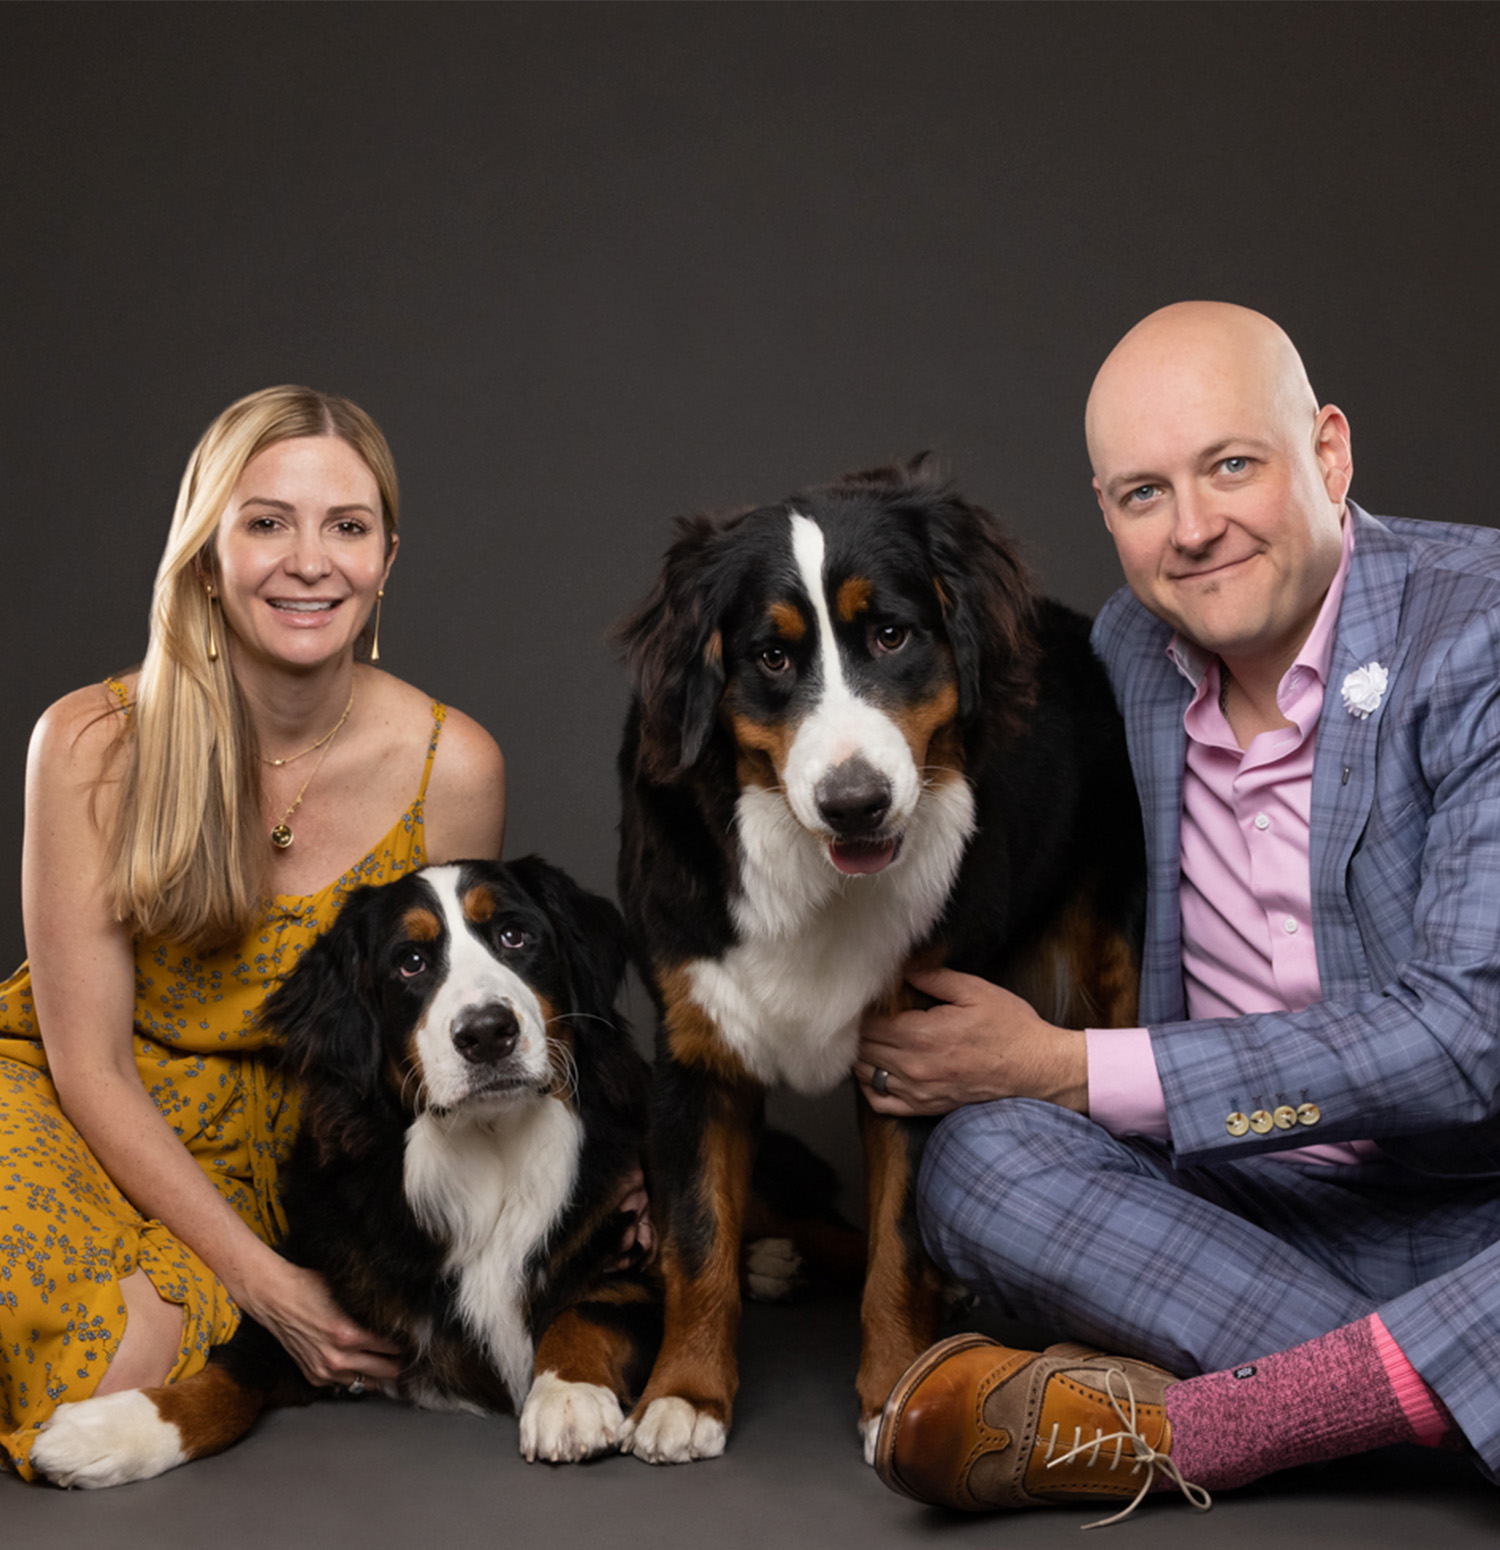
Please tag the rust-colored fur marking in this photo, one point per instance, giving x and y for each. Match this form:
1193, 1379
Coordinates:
787, 617
581, 1351
853, 598
702, 1312
692, 1035
1081, 974
921, 721
210, 1410
900, 1312
762, 746
421, 925
479, 904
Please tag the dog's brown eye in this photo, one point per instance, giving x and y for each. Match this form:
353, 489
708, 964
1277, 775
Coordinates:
412, 964
890, 637
774, 660
513, 937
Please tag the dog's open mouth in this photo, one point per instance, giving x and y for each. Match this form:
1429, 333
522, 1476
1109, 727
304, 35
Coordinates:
861, 858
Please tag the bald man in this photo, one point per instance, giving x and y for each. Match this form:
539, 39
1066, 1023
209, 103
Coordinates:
1285, 1187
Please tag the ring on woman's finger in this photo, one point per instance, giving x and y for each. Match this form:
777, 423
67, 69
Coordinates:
881, 1081
357, 1387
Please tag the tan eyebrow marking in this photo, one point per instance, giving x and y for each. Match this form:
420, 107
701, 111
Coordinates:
787, 618
853, 598
421, 925
479, 904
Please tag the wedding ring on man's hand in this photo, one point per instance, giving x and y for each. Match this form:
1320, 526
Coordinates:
881, 1081
357, 1387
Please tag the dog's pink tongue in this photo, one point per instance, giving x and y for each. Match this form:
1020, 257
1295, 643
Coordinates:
859, 857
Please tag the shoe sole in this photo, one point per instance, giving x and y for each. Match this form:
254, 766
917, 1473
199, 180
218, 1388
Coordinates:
895, 1405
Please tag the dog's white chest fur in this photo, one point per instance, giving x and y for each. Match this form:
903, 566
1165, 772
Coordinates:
494, 1187
816, 947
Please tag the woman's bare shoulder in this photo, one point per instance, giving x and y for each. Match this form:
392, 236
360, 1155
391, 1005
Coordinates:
465, 806
80, 731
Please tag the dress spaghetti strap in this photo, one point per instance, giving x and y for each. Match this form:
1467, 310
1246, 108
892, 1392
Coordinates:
439, 716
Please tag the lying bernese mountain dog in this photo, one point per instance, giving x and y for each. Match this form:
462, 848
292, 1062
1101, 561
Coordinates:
471, 1104
859, 740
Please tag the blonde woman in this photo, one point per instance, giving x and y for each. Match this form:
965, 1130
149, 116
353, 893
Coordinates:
189, 829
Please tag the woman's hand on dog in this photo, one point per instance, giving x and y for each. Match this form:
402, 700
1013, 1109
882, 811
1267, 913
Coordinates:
638, 1246
330, 1348
977, 1043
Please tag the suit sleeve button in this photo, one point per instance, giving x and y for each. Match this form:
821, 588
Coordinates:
1285, 1117
1261, 1122
1236, 1124
1309, 1114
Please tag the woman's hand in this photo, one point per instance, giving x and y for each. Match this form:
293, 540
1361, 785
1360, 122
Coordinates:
638, 1246
979, 1042
330, 1348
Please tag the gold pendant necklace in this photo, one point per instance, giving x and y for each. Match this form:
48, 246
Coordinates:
281, 835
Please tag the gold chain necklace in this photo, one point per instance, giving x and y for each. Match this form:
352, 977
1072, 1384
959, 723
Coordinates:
327, 737
281, 835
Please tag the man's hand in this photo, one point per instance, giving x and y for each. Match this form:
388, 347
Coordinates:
979, 1042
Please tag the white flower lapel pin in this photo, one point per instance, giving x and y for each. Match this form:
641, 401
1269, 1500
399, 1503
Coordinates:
1364, 689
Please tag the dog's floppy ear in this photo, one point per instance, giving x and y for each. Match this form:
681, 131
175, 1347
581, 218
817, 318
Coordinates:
590, 929
675, 655
326, 1016
989, 601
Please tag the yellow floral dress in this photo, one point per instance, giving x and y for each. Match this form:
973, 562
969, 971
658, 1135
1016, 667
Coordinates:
67, 1234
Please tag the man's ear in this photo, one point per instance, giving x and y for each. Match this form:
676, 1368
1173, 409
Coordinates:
1333, 449
1103, 508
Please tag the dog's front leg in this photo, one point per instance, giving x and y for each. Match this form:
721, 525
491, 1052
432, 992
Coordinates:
901, 1311
590, 1363
702, 1145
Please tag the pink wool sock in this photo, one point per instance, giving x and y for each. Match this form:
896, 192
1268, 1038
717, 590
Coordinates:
1328, 1398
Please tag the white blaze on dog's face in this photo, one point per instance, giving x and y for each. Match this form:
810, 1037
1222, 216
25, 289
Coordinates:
482, 1037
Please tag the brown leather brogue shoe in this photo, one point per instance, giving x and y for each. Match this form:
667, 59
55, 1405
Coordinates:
976, 1425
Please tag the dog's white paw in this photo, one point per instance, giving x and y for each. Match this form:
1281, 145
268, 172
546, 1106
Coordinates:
869, 1431
563, 1422
108, 1441
773, 1269
673, 1432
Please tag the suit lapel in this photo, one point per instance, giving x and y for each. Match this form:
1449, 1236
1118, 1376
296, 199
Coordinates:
1343, 786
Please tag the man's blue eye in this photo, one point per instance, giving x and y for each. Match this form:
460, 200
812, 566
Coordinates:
1235, 465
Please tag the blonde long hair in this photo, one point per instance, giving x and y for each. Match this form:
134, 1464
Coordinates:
186, 858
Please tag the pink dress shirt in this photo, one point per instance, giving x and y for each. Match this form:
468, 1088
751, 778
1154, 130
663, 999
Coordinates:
1247, 939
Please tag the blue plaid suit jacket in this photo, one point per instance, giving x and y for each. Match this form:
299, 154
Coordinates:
1405, 1046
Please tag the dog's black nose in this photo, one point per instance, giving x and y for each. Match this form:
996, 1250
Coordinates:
484, 1035
853, 798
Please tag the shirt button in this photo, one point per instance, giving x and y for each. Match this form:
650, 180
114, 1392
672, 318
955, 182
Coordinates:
1289, 926
1285, 1116
1261, 1122
1309, 1114
1261, 821
1237, 1124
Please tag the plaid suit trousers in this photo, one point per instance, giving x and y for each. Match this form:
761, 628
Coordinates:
1058, 1223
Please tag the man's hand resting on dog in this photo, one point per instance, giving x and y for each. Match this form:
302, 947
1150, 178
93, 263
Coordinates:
979, 1042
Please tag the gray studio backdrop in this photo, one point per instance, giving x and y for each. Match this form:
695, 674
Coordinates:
593, 266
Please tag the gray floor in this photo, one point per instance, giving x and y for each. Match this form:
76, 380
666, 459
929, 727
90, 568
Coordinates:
372, 1475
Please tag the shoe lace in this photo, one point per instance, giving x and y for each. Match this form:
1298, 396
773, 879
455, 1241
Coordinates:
1147, 1457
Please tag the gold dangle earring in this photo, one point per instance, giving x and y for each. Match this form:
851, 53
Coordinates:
375, 638
213, 650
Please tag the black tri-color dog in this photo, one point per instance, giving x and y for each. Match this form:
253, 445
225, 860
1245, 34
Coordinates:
472, 1102
859, 740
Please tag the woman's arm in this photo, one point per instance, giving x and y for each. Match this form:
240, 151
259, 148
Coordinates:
83, 982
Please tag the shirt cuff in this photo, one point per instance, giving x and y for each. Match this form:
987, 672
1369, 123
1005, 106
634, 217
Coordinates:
1125, 1095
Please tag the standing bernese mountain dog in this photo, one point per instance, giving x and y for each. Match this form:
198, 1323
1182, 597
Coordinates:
471, 1104
859, 740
